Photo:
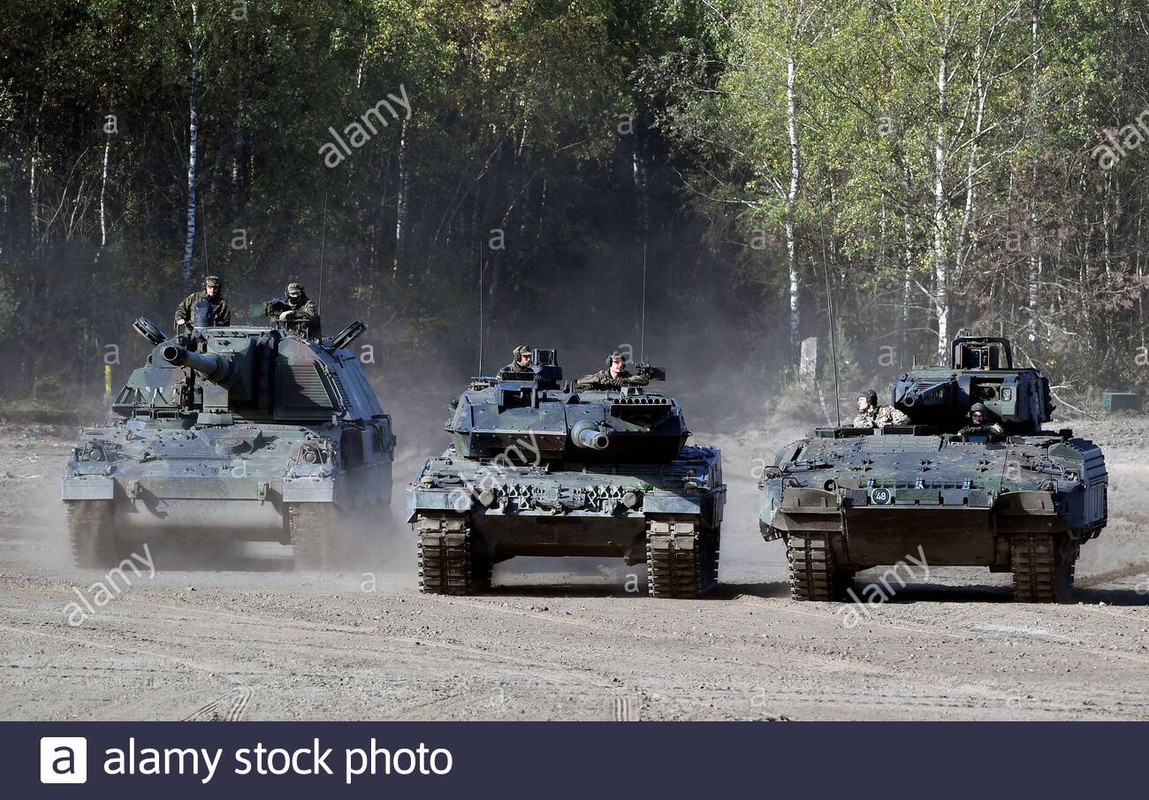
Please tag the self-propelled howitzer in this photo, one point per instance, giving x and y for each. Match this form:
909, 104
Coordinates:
540, 468
235, 434
944, 490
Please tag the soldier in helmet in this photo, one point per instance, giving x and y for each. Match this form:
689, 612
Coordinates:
615, 375
213, 293
522, 363
297, 310
872, 415
981, 421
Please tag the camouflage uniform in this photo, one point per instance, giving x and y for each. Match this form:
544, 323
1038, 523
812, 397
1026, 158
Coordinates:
515, 366
880, 417
185, 314
986, 427
603, 380
302, 313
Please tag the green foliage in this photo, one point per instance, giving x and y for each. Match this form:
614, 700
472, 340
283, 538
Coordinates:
580, 130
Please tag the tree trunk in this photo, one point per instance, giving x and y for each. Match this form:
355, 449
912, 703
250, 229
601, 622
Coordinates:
941, 298
193, 146
401, 202
791, 208
103, 197
1035, 242
34, 177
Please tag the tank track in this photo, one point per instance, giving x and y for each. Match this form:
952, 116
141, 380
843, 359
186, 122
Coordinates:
447, 561
814, 573
91, 529
681, 562
309, 528
1043, 567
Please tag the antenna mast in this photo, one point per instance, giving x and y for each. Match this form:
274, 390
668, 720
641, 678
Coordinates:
642, 328
480, 308
322, 248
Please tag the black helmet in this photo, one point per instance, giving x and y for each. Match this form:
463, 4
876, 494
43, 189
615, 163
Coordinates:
522, 350
871, 397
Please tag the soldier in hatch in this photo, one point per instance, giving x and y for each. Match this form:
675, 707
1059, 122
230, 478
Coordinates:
614, 376
296, 310
220, 315
981, 421
872, 415
522, 363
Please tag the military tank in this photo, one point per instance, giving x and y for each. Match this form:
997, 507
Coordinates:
941, 491
540, 467
233, 434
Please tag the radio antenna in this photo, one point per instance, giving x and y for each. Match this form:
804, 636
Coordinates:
322, 248
480, 308
642, 328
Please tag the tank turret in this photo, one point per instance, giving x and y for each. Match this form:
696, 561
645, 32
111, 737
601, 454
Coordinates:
565, 422
981, 370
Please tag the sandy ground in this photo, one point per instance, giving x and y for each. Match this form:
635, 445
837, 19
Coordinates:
264, 643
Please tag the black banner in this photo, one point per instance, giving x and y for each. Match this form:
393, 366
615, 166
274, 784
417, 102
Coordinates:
559, 760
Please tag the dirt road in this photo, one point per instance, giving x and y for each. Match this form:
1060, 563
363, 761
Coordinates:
265, 643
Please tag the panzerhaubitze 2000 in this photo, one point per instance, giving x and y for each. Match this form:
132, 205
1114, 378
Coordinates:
539, 467
234, 434
973, 480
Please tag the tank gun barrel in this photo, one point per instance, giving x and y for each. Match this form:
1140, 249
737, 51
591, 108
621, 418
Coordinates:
587, 436
213, 367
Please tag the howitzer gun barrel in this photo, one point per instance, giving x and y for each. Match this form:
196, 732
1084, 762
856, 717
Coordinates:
214, 368
589, 437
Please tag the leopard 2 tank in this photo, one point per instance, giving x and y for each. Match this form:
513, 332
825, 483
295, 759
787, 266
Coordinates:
942, 491
541, 467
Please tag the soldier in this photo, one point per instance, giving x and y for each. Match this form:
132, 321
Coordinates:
980, 422
522, 363
613, 376
872, 415
213, 293
297, 310
867, 410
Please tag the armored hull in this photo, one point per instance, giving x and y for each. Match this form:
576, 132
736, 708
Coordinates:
237, 434
1009, 496
539, 468
845, 501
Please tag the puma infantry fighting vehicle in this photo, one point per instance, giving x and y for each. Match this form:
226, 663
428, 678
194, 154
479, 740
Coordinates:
540, 467
941, 491
236, 433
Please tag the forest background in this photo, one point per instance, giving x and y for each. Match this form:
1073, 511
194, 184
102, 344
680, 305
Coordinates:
529, 172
